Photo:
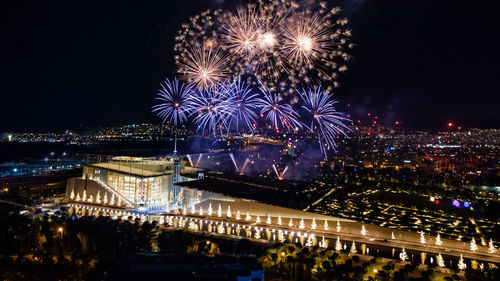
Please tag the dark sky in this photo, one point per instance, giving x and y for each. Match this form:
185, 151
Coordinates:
71, 64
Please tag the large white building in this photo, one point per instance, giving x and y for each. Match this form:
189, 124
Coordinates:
131, 182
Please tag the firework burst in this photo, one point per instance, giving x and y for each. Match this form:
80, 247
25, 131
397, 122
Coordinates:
211, 108
325, 121
314, 45
244, 103
173, 97
277, 112
204, 66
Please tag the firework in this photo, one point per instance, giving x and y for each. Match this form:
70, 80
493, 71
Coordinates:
279, 43
203, 67
244, 103
326, 122
211, 108
277, 112
314, 45
173, 98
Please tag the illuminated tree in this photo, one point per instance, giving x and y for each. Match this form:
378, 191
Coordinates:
353, 248
313, 224
279, 220
363, 230
491, 247
72, 195
78, 197
201, 211
338, 245
461, 264
290, 223
438, 240
473, 245
210, 209
440, 260
403, 256
228, 214
338, 226
248, 217
238, 215
325, 225
422, 237
392, 235
268, 220
301, 224
219, 211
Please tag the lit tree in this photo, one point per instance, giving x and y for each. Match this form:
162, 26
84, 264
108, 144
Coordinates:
290, 223
91, 199
422, 237
403, 256
438, 240
210, 209
353, 248
201, 211
257, 234
325, 225
258, 219
338, 226
301, 224
281, 237
219, 211
72, 195
440, 260
461, 264
98, 197
473, 245
84, 197
238, 215
323, 243
313, 224
491, 247
279, 220
309, 241
228, 214
363, 230
392, 235
268, 220
78, 197
193, 209
248, 217
105, 200
338, 245
112, 201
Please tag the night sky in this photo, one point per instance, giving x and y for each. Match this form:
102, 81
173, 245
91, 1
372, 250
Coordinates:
73, 64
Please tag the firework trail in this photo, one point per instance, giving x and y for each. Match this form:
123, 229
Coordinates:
244, 166
190, 160
244, 104
325, 121
173, 96
234, 161
277, 112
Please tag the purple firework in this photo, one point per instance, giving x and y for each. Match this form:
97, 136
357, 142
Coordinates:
174, 101
326, 122
244, 103
212, 108
276, 111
